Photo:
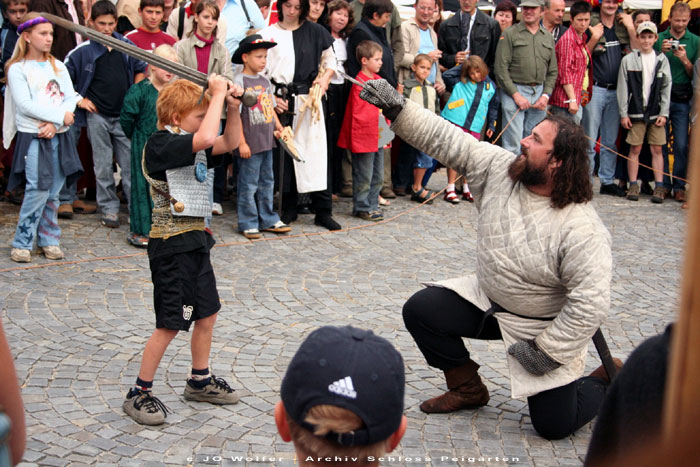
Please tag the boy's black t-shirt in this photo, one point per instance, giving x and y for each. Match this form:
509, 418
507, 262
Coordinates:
109, 84
163, 151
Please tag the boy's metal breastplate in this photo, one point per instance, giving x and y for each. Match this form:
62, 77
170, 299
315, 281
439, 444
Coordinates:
189, 186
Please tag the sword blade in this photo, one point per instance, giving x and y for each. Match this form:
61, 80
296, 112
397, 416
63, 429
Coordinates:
359, 83
178, 69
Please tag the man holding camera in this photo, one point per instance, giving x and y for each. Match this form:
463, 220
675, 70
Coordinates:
681, 49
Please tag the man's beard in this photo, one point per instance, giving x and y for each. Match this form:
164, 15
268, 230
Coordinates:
521, 171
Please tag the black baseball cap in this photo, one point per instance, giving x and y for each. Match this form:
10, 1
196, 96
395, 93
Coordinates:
350, 368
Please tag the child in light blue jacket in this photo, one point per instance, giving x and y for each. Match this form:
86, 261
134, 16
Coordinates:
473, 103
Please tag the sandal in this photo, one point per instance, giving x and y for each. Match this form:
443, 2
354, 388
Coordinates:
451, 197
384, 202
426, 198
140, 241
467, 196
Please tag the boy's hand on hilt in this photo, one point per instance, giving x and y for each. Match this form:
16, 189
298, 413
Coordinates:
217, 84
380, 93
233, 95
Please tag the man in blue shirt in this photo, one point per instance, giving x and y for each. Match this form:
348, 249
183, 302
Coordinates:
239, 19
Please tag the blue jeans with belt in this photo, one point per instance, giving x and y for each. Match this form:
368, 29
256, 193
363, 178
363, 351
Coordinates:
525, 120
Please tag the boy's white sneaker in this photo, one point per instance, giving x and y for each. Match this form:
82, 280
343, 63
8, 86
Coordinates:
217, 209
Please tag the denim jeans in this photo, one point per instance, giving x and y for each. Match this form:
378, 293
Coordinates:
69, 192
564, 112
108, 141
524, 121
679, 119
256, 183
367, 172
602, 115
38, 215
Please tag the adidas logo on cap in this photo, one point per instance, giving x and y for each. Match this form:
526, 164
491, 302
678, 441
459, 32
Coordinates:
343, 387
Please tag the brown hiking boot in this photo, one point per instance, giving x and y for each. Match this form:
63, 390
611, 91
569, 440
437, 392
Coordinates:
602, 374
81, 207
659, 195
466, 391
65, 211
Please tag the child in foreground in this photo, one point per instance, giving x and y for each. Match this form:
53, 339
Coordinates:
175, 163
473, 102
342, 398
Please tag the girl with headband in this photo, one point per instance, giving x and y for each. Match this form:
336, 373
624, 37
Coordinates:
39, 109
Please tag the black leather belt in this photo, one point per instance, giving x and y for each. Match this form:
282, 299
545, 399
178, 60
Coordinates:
609, 87
496, 308
291, 89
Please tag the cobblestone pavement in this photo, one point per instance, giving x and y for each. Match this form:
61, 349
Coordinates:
77, 331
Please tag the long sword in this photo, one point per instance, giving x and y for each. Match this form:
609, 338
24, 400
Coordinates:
178, 69
604, 352
359, 83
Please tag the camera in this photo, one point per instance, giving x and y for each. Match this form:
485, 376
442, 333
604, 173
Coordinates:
675, 45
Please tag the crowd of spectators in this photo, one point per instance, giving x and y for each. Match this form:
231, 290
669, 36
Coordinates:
542, 56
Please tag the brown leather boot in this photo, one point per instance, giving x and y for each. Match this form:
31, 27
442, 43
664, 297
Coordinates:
82, 207
65, 211
466, 391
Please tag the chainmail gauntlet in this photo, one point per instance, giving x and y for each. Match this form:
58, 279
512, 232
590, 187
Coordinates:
382, 95
532, 358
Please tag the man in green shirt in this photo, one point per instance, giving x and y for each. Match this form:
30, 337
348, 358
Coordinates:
681, 49
525, 86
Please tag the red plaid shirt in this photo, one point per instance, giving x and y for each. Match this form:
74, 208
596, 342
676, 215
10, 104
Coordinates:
571, 60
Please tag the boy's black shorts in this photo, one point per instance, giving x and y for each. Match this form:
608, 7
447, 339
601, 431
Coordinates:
184, 289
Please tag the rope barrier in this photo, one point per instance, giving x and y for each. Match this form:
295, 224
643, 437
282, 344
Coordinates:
627, 157
288, 237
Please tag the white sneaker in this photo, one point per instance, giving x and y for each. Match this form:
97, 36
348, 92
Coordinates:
252, 234
52, 252
216, 209
19, 255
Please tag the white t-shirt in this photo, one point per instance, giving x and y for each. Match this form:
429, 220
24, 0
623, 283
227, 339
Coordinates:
648, 65
341, 55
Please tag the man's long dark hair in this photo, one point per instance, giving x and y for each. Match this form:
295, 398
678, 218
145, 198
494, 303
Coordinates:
572, 180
